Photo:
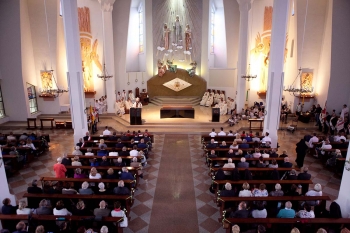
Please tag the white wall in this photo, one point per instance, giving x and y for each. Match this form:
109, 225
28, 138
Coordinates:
220, 48
148, 55
204, 69
132, 52
222, 79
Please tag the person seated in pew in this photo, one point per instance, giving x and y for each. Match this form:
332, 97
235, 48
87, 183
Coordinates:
260, 211
119, 163
60, 210
87, 137
136, 164
266, 138
256, 138
113, 137
80, 143
229, 164
244, 144
24, 137
287, 212
119, 143
238, 138
102, 211
316, 191
76, 161
142, 144
80, 209
102, 144
293, 191
273, 153
48, 189
241, 212
292, 175
118, 212
234, 145
307, 212
261, 191
243, 163
212, 133
102, 151
102, 189
222, 132
134, 151
124, 152
286, 163
110, 174
11, 137
239, 154
283, 155
230, 154
132, 143
230, 133
89, 152
274, 175
125, 174
273, 164
85, 190
77, 151
245, 192
22, 208
223, 145
261, 163
265, 154
248, 138
78, 175
94, 174
21, 227
121, 190
278, 192
34, 188
124, 137
248, 155
105, 162
212, 144
69, 189
44, 208
227, 192
257, 153
212, 154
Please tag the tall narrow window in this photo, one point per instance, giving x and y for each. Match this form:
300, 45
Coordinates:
33, 105
141, 46
2, 109
212, 28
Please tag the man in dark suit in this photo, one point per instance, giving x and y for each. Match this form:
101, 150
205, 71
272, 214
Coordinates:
243, 163
113, 137
87, 136
304, 176
212, 144
244, 144
273, 153
121, 190
227, 192
124, 137
230, 154
34, 188
286, 163
241, 212
105, 162
119, 143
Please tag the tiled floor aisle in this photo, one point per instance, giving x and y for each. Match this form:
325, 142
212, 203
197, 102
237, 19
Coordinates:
142, 211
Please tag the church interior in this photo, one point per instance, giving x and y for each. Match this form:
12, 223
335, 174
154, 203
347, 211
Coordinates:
75, 72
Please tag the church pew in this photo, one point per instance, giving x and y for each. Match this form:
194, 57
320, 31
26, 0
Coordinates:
78, 181
221, 152
9, 221
270, 184
86, 158
13, 161
206, 137
95, 149
303, 224
238, 159
47, 136
226, 202
91, 201
98, 137
133, 170
259, 170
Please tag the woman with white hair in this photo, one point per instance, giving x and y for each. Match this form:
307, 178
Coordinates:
85, 190
278, 192
121, 190
317, 191
104, 229
94, 174
229, 164
245, 192
101, 189
102, 144
77, 151
22, 208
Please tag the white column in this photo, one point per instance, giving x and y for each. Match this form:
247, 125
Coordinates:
244, 7
4, 191
107, 8
343, 196
74, 74
276, 74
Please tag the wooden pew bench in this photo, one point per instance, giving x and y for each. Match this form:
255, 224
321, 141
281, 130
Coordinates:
10, 221
303, 224
86, 158
213, 170
106, 137
226, 202
91, 201
221, 152
206, 137
210, 161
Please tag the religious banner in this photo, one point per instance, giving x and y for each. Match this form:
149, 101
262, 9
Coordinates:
306, 80
88, 49
46, 79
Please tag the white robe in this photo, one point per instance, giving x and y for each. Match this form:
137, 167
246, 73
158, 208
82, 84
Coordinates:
223, 108
119, 97
204, 99
216, 98
209, 101
131, 96
137, 105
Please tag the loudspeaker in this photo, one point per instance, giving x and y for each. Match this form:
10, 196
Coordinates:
215, 115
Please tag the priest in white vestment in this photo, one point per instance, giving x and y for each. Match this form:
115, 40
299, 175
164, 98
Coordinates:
204, 99
209, 100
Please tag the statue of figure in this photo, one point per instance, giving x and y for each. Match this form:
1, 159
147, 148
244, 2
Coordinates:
86, 76
178, 31
166, 32
192, 71
188, 37
171, 66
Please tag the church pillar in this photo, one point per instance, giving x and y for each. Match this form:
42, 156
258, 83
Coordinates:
74, 65
343, 196
108, 51
276, 74
244, 7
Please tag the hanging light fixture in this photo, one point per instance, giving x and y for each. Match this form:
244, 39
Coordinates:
302, 90
104, 76
248, 76
48, 91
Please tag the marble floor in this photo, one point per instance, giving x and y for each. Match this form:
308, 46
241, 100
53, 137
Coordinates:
174, 194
